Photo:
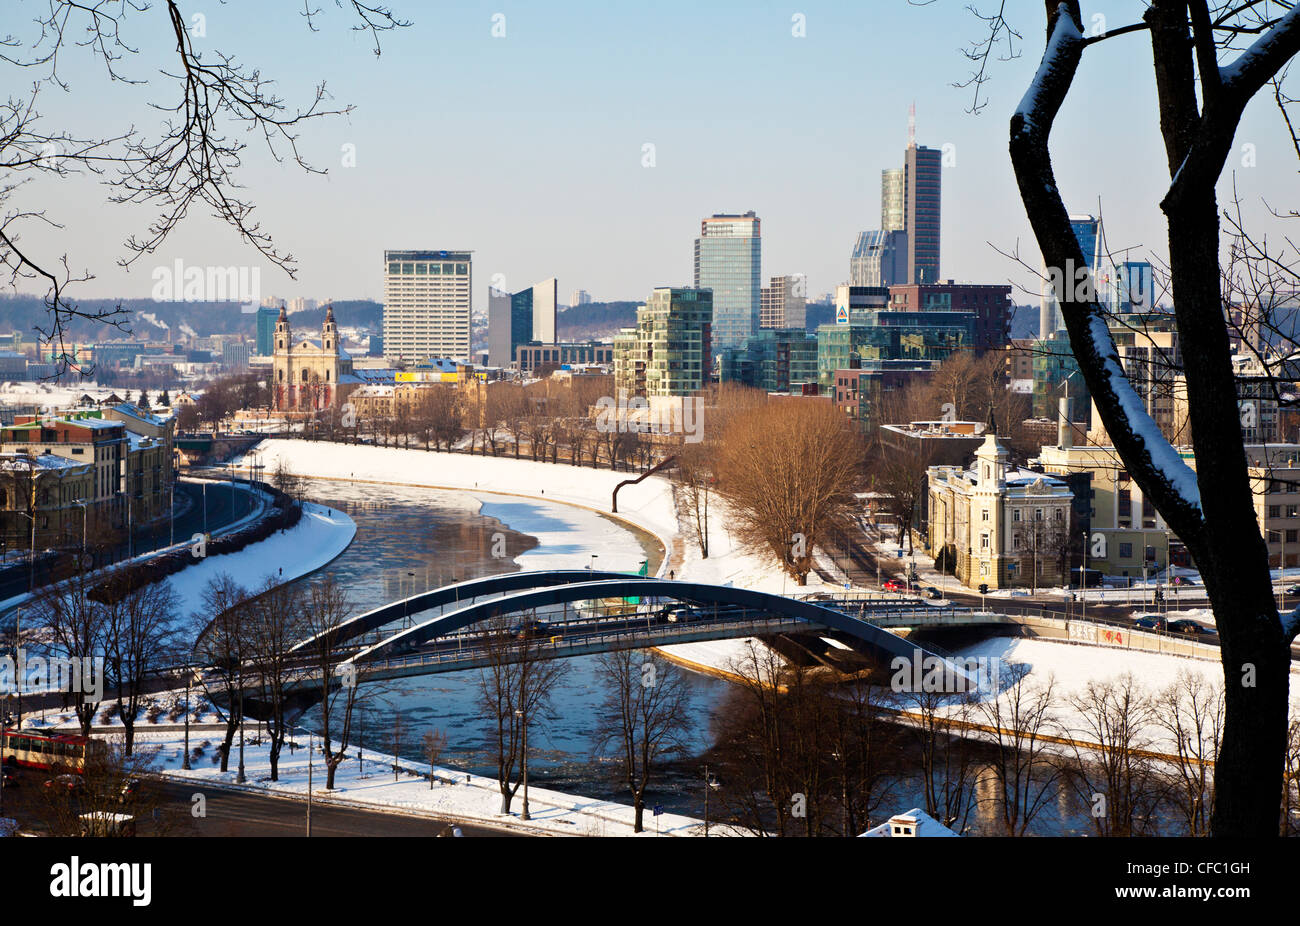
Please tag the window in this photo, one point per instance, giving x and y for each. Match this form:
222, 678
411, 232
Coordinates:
1038, 514
1290, 511
1015, 541
1060, 514
1275, 511
1015, 514
984, 541
1126, 551
1291, 536
985, 515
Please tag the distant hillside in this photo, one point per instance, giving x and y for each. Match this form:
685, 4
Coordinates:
145, 318
595, 320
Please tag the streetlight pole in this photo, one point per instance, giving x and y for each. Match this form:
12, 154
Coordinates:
1083, 580
523, 721
185, 759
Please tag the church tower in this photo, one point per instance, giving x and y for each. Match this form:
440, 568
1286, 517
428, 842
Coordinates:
329, 332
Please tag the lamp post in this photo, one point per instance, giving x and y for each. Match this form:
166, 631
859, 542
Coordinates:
523, 722
185, 759
1281, 604
82, 503
1083, 580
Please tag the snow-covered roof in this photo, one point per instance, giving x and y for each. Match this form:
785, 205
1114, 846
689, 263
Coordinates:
14, 462
915, 823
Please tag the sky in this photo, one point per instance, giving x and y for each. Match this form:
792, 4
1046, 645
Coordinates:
529, 148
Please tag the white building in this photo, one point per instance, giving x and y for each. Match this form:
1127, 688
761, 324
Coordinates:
427, 304
1000, 526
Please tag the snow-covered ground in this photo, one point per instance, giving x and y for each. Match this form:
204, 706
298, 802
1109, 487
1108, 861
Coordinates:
370, 784
1072, 667
320, 536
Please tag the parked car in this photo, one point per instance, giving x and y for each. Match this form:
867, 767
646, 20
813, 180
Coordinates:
1151, 622
933, 592
1192, 628
893, 585
68, 782
1293, 590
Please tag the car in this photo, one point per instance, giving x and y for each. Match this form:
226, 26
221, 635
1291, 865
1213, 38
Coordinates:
678, 613
933, 592
67, 782
130, 790
1151, 622
893, 585
1183, 580
532, 628
1293, 590
1192, 628
10, 775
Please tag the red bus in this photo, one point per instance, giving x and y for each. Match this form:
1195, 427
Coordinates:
62, 752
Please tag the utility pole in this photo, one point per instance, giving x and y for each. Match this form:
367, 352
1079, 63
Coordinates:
309, 768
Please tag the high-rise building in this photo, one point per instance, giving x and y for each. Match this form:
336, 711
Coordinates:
266, 317
784, 302
669, 351
922, 178
520, 318
910, 203
427, 304
580, 297
727, 261
1087, 230
990, 304
893, 201
879, 259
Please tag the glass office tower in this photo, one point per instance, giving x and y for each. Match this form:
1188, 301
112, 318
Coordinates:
727, 261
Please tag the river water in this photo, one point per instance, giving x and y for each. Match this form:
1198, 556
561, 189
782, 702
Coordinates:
409, 540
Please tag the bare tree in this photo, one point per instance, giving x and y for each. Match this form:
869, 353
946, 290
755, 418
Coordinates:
273, 625
432, 746
515, 687
140, 634
210, 102
1201, 102
1190, 711
693, 480
1026, 771
644, 717
326, 606
72, 624
223, 647
1114, 774
787, 470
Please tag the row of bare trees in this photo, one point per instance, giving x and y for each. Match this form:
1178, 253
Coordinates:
801, 753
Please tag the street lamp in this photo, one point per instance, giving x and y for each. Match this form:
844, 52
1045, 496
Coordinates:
591, 564
523, 721
82, 503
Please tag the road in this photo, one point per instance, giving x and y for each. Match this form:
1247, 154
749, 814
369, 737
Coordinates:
241, 813
221, 511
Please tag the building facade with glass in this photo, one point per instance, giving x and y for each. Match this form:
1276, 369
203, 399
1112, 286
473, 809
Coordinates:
669, 351
728, 255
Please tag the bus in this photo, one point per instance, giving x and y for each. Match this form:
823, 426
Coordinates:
62, 752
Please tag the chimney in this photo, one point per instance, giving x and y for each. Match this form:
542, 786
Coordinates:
903, 825
1064, 428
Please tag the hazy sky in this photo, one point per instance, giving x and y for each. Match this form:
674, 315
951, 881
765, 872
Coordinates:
528, 148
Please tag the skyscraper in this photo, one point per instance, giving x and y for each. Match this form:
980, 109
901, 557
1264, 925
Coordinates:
580, 297
922, 179
669, 351
727, 261
427, 304
1087, 231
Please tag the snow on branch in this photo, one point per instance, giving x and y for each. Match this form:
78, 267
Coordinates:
1255, 66
1168, 466
1066, 38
